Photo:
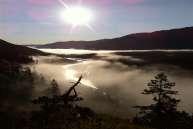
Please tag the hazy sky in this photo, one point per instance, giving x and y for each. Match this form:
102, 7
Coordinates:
38, 21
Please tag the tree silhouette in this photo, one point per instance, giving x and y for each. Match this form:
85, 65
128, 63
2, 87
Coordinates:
59, 108
162, 114
57, 100
160, 88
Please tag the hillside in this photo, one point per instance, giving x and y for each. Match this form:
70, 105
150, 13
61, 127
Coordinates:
16, 53
165, 39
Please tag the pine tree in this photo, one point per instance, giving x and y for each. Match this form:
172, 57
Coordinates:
164, 108
161, 89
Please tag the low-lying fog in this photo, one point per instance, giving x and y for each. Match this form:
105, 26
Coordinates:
111, 86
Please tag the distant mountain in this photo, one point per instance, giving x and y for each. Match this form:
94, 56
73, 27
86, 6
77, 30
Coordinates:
165, 39
16, 53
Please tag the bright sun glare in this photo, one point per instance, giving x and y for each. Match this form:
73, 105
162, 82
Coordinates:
77, 16
71, 75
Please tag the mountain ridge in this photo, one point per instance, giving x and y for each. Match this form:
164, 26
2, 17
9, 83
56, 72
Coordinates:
180, 38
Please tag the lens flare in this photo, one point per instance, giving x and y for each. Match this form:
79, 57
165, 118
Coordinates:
77, 15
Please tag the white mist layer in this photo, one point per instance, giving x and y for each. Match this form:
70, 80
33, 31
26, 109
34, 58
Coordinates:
113, 86
82, 51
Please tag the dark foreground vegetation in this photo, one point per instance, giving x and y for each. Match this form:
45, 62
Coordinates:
163, 113
19, 109
52, 110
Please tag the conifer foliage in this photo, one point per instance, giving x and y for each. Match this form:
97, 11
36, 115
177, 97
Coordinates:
163, 113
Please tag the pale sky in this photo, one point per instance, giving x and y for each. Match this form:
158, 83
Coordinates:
38, 21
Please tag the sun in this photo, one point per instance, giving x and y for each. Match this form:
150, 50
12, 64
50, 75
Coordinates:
77, 15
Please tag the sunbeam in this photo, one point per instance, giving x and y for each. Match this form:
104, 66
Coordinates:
76, 15
72, 75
